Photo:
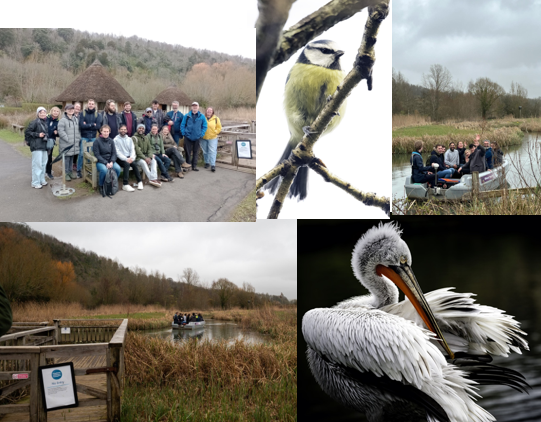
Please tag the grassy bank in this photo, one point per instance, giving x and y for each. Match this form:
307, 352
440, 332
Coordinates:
214, 381
504, 131
246, 211
512, 205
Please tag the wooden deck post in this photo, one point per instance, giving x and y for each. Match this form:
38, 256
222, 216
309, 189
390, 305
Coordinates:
234, 157
56, 331
252, 127
35, 393
475, 184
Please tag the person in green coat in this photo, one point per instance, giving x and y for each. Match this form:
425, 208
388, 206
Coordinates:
6, 317
144, 156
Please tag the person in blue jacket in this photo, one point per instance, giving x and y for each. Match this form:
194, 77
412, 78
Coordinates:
193, 128
420, 173
175, 120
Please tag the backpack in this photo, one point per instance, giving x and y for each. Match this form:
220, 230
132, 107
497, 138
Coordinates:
111, 183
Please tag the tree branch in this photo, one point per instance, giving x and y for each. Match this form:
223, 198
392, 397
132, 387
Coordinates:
370, 199
279, 170
272, 17
362, 69
282, 192
316, 24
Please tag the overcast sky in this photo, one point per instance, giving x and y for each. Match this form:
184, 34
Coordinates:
354, 150
218, 25
263, 254
497, 39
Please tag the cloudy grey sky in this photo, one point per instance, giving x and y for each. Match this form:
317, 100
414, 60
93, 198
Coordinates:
217, 25
498, 39
263, 253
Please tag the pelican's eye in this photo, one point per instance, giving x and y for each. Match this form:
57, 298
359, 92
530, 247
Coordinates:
403, 260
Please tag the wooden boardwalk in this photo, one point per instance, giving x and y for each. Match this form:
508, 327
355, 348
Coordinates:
76, 414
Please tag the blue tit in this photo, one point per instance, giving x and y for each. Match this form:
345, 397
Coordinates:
314, 77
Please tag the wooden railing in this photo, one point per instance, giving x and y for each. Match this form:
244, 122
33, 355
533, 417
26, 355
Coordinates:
45, 354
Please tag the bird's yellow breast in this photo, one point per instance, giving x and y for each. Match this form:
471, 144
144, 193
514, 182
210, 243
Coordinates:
306, 94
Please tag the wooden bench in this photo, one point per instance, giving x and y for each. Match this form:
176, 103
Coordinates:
18, 128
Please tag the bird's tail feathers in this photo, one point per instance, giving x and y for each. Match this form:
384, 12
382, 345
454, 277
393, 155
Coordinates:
299, 186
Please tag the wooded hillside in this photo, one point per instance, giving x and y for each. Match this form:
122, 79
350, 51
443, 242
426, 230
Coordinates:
38, 267
37, 64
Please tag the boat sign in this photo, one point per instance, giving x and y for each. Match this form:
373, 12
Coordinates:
20, 376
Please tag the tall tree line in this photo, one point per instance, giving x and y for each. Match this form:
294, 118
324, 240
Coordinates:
38, 267
441, 97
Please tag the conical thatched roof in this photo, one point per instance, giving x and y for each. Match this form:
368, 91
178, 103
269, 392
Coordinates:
96, 83
171, 94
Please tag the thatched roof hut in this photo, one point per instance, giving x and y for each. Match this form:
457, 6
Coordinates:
167, 96
96, 83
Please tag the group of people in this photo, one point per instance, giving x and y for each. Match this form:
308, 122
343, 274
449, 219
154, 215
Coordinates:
455, 162
181, 319
121, 141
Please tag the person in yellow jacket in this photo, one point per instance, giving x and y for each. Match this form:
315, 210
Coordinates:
209, 143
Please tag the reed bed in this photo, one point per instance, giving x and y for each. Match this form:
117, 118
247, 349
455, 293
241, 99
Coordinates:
505, 136
33, 311
513, 204
215, 381
401, 121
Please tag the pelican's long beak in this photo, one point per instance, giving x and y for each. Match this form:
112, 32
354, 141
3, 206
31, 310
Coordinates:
403, 277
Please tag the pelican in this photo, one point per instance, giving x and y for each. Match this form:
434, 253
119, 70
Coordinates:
422, 358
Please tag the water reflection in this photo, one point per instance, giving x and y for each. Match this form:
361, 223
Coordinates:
213, 331
523, 156
496, 259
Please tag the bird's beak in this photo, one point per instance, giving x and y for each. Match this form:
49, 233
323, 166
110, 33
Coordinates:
403, 277
339, 53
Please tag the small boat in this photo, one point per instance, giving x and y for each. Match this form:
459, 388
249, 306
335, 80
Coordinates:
189, 326
457, 189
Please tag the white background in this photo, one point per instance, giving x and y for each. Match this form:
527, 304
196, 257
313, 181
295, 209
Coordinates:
358, 151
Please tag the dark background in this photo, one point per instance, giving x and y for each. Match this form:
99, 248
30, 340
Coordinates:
499, 259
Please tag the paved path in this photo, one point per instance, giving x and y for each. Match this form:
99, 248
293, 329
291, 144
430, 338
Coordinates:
201, 196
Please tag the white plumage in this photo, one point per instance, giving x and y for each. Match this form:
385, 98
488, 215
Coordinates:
376, 355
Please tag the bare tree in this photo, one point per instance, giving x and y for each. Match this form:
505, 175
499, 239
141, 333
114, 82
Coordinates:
437, 81
486, 92
226, 290
190, 277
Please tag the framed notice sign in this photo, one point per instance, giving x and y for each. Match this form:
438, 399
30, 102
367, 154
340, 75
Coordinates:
58, 386
244, 149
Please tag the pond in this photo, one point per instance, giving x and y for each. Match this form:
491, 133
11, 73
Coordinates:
214, 330
526, 157
497, 260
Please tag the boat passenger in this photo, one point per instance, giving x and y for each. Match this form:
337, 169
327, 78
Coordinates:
193, 318
420, 173
201, 317
461, 148
477, 157
188, 319
451, 157
497, 154
436, 157
488, 155
175, 318
466, 170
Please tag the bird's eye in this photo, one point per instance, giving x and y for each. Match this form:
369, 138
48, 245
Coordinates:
326, 51
403, 260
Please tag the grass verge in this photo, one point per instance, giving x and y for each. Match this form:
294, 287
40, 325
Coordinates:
246, 211
512, 205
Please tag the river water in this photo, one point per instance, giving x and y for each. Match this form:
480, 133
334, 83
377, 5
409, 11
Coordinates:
497, 260
526, 157
214, 331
